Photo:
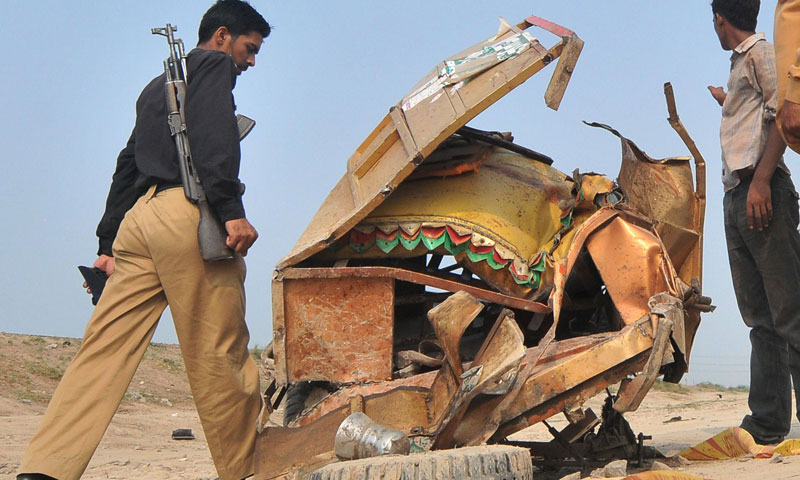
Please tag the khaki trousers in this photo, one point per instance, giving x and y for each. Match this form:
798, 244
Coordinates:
158, 263
787, 56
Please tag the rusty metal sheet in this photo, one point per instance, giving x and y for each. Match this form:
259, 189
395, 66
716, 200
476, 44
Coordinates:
680, 243
562, 376
341, 398
699, 161
693, 267
495, 418
632, 391
279, 450
593, 223
338, 330
550, 380
494, 370
661, 189
404, 409
554, 352
450, 319
279, 332
412, 131
629, 260
501, 353
576, 396
499, 356
664, 190
565, 348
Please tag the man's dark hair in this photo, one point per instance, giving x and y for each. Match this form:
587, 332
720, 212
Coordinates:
742, 14
238, 16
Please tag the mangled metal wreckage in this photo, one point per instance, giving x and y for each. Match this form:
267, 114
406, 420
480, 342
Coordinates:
456, 288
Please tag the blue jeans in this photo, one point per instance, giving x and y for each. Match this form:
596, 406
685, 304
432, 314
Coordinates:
765, 267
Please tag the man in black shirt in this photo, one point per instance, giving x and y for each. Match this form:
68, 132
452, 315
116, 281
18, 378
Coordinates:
149, 249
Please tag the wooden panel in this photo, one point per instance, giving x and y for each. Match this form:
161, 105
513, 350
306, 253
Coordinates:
562, 75
431, 121
372, 148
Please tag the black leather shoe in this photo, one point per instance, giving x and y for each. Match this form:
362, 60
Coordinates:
34, 476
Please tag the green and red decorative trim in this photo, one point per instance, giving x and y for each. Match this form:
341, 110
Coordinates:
477, 248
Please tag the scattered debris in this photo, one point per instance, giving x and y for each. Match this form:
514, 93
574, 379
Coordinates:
136, 396
572, 476
677, 461
182, 434
674, 419
52, 346
617, 468
659, 466
777, 458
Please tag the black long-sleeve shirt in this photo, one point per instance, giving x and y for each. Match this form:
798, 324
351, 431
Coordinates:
150, 156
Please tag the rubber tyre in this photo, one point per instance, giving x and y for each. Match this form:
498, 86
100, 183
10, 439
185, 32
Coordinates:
296, 395
472, 463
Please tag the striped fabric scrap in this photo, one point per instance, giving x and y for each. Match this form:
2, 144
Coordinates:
737, 442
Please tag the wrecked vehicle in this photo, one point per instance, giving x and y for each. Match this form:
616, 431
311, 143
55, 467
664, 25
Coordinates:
457, 288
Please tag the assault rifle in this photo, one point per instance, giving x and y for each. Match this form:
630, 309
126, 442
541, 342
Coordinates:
211, 233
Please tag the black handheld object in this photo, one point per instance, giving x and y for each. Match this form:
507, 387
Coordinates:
95, 279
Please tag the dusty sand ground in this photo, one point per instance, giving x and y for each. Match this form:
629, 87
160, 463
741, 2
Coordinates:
703, 413
138, 444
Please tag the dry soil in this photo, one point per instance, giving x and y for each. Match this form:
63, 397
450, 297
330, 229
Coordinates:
138, 444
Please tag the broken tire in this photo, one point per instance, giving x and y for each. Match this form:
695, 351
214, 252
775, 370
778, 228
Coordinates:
472, 463
296, 395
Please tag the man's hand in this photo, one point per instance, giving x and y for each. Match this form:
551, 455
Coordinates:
104, 263
759, 204
718, 93
241, 235
790, 121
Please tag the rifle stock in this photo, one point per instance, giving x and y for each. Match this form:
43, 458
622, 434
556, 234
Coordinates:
211, 235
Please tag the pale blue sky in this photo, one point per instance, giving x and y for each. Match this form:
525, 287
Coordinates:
326, 76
